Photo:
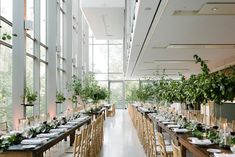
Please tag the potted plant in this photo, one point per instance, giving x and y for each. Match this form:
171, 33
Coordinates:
5, 36
60, 97
29, 97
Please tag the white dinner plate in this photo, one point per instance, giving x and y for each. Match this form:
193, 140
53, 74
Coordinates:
180, 130
214, 150
173, 126
202, 142
28, 146
168, 122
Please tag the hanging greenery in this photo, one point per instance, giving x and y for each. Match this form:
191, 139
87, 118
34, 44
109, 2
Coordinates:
88, 89
196, 90
29, 96
60, 98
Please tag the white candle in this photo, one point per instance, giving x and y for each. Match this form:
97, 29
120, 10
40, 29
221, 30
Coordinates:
225, 125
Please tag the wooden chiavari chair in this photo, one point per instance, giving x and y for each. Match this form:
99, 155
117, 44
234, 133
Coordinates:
177, 150
3, 127
165, 151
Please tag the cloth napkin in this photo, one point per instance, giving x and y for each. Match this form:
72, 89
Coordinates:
33, 141
47, 135
224, 155
58, 130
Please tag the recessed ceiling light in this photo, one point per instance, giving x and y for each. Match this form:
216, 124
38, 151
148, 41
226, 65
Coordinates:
214, 8
148, 8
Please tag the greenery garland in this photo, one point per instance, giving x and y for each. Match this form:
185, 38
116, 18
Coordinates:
196, 90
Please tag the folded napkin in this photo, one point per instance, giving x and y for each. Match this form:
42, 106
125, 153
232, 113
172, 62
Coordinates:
201, 142
58, 130
224, 155
47, 135
166, 122
173, 126
72, 122
180, 130
65, 126
33, 141
28, 146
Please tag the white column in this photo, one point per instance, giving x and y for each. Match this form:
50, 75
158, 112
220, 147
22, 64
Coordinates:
51, 42
36, 81
18, 61
85, 47
68, 49
79, 50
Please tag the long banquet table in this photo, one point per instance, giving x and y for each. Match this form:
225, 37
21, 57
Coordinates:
182, 139
18, 151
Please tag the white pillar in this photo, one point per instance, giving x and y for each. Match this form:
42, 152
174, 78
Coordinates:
51, 42
79, 50
68, 49
36, 78
18, 61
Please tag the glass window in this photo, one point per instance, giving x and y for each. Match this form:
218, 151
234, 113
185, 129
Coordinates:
6, 9
29, 81
129, 85
97, 41
30, 14
116, 77
43, 21
43, 104
90, 40
90, 58
5, 28
103, 84
29, 45
101, 76
100, 53
29, 72
116, 42
43, 54
5, 84
61, 33
115, 58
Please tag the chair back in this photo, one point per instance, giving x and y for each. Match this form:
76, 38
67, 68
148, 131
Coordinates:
3, 127
77, 145
177, 151
162, 145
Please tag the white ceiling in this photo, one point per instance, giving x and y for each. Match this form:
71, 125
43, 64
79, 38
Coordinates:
105, 17
175, 30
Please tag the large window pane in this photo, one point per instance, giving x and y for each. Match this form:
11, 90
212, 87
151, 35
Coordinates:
129, 85
6, 9
43, 54
100, 53
103, 84
29, 45
43, 21
61, 33
98, 41
115, 58
90, 58
101, 76
5, 84
115, 76
29, 72
29, 81
115, 42
43, 104
5, 28
30, 14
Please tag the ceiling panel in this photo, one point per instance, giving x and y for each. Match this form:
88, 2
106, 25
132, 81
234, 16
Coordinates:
179, 36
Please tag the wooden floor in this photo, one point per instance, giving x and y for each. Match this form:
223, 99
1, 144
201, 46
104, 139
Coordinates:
120, 139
